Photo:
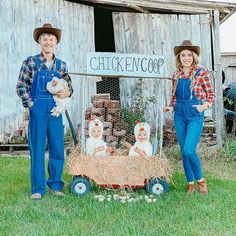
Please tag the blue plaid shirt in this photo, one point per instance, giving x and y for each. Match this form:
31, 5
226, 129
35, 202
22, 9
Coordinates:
27, 73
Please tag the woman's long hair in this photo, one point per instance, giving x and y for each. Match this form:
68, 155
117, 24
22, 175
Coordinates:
179, 67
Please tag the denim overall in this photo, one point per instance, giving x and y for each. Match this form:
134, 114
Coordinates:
43, 125
189, 125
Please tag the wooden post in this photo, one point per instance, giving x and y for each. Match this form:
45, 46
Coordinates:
219, 117
83, 113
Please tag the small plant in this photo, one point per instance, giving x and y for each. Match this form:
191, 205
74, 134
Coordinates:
136, 111
228, 151
131, 117
68, 136
229, 101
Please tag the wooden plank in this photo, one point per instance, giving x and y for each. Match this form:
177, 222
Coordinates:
190, 6
230, 72
219, 116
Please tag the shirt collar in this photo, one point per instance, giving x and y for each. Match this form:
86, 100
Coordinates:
43, 58
181, 73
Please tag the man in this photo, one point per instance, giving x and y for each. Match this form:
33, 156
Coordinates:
35, 72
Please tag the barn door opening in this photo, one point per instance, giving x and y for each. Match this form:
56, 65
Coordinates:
104, 42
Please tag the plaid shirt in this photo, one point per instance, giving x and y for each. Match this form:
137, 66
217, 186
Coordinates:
202, 87
27, 73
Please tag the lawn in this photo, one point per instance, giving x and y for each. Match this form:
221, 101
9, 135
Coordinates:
174, 213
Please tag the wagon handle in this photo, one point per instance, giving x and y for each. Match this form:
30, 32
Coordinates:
71, 128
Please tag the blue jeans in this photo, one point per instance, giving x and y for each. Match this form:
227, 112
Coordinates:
188, 131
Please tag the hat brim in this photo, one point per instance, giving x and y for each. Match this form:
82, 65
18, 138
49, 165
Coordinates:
39, 31
178, 49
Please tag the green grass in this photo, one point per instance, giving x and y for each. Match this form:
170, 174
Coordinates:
174, 213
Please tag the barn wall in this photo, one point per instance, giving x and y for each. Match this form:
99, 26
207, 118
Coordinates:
230, 72
158, 34
18, 19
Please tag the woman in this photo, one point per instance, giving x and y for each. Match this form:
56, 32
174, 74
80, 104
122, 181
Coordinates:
192, 94
35, 73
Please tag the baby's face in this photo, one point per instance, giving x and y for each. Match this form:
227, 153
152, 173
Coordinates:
142, 136
96, 132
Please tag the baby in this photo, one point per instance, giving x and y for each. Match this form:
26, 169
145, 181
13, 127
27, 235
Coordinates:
142, 146
95, 145
53, 87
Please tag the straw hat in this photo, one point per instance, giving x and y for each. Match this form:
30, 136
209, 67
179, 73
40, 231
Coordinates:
47, 28
187, 44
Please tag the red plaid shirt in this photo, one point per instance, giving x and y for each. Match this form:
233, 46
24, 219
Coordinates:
202, 87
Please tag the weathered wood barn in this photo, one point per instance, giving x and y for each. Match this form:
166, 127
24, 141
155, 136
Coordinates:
132, 26
228, 60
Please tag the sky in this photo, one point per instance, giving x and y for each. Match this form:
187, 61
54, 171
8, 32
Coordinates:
228, 35
228, 32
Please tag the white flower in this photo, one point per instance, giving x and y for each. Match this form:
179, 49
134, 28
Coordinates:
148, 200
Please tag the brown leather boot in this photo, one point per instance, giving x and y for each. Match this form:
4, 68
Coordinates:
202, 187
191, 189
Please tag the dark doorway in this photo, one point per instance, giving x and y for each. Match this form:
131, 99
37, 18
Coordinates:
104, 42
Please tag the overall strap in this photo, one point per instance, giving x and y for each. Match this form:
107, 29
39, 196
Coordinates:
58, 64
196, 74
38, 62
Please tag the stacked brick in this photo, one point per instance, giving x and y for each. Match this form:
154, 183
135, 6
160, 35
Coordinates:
208, 134
109, 112
20, 135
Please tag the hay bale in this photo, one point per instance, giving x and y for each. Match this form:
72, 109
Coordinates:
120, 169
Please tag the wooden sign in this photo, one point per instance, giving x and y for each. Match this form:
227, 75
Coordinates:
122, 65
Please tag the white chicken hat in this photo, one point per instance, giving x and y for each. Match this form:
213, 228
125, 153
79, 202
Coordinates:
94, 123
140, 127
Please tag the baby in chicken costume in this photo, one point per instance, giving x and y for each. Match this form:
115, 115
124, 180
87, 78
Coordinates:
53, 87
95, 145
142, 146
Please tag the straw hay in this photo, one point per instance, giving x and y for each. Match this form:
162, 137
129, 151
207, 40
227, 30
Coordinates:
118, 169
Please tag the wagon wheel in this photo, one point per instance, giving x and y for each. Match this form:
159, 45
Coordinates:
157, 186
80, 186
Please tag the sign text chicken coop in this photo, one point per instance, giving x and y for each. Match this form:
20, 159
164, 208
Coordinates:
115, 64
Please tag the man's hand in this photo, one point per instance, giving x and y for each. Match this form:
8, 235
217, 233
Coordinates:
63, 93
168, 109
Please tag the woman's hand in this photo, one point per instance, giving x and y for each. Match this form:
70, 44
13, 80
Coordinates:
168, 109
202, 107
63, 93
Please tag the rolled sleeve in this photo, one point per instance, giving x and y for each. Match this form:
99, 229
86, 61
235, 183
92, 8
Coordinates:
66, 77
207, 87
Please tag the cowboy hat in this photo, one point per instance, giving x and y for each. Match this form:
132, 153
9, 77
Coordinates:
47, 28
187, 44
